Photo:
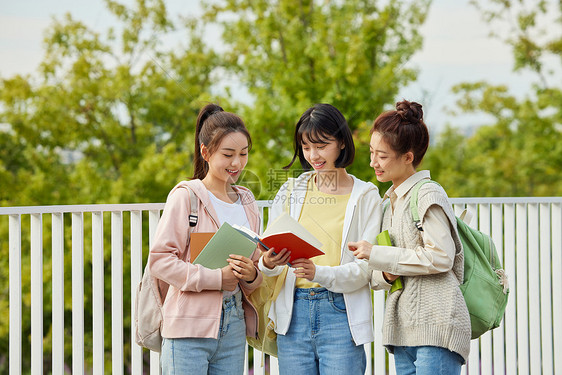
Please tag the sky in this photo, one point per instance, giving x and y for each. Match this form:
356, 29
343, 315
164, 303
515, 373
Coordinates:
456, 49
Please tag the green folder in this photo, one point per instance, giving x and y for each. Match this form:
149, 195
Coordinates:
383, 239
224, 242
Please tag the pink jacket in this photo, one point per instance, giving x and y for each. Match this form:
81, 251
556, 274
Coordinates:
193, 302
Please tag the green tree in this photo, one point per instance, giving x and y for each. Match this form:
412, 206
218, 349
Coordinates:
106, 119
109, 117
517, 152
290, 55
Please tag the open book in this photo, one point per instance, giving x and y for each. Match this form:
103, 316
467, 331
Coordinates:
211, 250
286, 232
217, 247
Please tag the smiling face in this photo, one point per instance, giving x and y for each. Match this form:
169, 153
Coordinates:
228, 161
321, 156
388, 164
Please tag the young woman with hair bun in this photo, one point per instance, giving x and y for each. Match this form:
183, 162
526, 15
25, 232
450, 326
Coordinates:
426, 323
207, 315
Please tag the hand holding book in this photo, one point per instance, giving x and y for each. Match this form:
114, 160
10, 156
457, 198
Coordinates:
362, 250
287, 239
213, 249
304, 269
273, 257
242, 267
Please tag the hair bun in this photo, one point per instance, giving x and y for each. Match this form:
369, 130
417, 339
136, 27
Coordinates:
410, 111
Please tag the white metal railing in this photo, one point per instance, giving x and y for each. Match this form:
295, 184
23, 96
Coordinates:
526, 231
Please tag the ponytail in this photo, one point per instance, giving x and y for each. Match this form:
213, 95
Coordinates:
213, 123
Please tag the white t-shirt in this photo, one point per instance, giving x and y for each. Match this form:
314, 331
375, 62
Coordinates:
231, 213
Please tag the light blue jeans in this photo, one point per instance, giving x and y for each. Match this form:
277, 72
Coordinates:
426, 360
205, 356
319, 340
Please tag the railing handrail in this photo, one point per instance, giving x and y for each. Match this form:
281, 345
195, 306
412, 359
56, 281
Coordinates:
118, 207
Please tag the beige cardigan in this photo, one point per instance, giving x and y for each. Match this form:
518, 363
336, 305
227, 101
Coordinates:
430, 309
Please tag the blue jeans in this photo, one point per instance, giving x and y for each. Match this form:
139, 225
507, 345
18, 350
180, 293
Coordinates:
319, 340
426, 360
223, 355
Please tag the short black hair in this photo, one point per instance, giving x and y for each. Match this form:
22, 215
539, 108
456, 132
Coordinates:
320, 123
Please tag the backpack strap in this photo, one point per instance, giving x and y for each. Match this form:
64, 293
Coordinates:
385, 205
414, 202
193, 218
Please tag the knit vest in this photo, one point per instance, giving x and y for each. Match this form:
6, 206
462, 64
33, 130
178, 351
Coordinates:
429, 310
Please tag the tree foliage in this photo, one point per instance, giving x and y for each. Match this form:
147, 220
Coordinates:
291, 55
517, 153
109, 116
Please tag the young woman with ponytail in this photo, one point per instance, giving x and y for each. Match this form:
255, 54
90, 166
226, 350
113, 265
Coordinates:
426, 323
207, 315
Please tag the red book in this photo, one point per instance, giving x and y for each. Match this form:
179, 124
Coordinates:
298, 247
286, 232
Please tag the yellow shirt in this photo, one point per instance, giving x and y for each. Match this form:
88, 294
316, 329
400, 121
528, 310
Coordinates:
323, 215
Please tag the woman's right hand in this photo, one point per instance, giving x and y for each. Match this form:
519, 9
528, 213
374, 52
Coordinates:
229, 280
271, 259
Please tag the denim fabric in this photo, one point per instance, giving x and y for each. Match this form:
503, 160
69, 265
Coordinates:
319, 340
206, 356
426, 360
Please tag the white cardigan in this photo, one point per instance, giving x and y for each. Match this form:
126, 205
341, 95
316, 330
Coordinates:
362, 222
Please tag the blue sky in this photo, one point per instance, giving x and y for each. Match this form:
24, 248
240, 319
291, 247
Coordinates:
456, 49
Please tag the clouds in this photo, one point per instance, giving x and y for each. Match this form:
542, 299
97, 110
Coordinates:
454, 34
20, 43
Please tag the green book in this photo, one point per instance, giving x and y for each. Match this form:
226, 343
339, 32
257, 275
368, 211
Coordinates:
227, 240
383, 239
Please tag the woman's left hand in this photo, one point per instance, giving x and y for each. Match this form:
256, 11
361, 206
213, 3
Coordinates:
304, 268
242, 267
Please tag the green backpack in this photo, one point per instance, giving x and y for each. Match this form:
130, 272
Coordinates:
485, 287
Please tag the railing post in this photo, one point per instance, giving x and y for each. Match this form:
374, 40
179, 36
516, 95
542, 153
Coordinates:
58, 292
545, 288
486, 338
521, 288
136, 276
77, 293
97, 293
510, 317
498, 335
557, 281
117, 293
533, 289
474, 359
153, 218
15, 294
36, 294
